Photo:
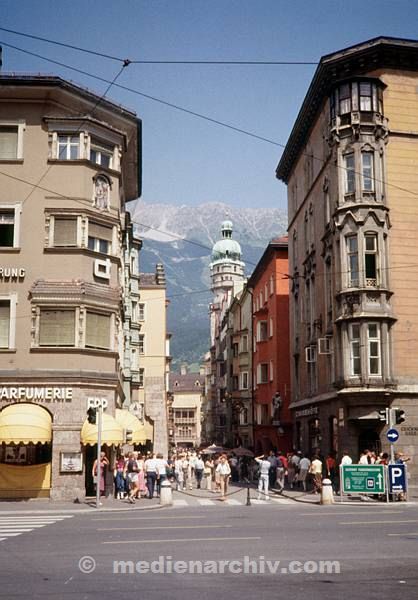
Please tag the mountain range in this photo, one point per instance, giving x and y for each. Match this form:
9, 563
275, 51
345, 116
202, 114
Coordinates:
181, 237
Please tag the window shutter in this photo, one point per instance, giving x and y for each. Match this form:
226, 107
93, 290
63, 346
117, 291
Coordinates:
57, 328
8, 143
100, 232
65, 231
98, 331
4, 323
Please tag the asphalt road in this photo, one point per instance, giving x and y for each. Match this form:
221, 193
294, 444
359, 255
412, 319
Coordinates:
375, 549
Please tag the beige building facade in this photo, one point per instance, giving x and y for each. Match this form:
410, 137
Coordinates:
350, 167
70, 160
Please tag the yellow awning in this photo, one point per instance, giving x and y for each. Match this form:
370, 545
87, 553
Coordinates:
25, 423
112, 432
129, 421
149, 430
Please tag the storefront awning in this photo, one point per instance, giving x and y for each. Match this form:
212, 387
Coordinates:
24, 424
129, 421
112, 432
149, 430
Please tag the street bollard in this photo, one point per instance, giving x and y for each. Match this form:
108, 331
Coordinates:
248, 496
327, 494
166, 493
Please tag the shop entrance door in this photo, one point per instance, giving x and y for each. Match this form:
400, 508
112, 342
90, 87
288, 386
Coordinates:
90, 457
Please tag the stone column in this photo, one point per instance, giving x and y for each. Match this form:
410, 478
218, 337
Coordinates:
156, 409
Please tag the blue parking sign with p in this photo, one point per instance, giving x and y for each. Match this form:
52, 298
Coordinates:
397, 478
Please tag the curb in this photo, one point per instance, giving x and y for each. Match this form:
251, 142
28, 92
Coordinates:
76, 511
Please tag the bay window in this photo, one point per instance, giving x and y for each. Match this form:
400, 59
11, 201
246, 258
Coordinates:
352, 256
68, 147
354, 339
57, 327
373, 349
350, 174
97, 330
367, 171
370, 259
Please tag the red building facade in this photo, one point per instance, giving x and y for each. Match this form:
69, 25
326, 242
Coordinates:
271, 361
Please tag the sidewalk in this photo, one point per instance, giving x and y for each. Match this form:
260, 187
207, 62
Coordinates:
46, 506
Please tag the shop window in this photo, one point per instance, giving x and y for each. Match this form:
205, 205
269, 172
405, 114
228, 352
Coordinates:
97, 330
100, 238
65, 231
57, 327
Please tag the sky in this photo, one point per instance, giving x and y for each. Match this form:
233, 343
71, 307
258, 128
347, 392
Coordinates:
186, 160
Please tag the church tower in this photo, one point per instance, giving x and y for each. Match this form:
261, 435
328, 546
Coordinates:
227, 276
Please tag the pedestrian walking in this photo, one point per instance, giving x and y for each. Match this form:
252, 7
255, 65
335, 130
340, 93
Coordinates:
131, 473
119, 476
178, 472
280, 473
208, 474
199, 466
272, 458
104, 464
316, 472
263, 481
304, 466
151, 474
224, 471
162, 467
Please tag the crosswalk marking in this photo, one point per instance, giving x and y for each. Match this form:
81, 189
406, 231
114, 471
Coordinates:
206, 502
233, 502
16, 525
180, 502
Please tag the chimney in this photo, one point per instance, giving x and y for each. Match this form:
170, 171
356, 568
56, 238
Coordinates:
183, 369
159, 274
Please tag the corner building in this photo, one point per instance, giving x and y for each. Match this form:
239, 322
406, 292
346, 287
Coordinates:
69, 161
350, 165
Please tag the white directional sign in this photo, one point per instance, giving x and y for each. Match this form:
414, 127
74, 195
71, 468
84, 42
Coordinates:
392, 435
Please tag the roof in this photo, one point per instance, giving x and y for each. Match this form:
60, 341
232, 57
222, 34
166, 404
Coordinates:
186, 383
276, 244
356, 60
79, 101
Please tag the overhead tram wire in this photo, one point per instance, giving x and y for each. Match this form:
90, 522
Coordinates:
181, 238
196, 114
158, 62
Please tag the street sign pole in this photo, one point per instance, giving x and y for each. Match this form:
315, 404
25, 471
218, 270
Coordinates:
391, 426
99, 451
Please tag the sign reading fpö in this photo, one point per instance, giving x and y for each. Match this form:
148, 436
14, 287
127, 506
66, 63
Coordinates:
37, 394
95, 402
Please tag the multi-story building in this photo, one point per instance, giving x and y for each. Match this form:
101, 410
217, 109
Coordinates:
239, 399
350, 166
70, 160
153, 357
269, 287
186, 396
227, 279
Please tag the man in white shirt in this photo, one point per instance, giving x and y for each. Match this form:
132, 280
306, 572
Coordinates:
150, 467
304, 465
263, 481
364, 458
346, 459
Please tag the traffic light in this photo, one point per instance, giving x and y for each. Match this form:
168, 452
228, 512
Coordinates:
127, 436
384, 415
91, 415
399, 416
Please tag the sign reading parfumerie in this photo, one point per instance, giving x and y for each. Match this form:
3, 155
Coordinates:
37, 394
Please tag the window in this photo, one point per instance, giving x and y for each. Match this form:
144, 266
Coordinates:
235, 349
235, 383
141, 343
366, 96
101, 154
352, 256
141, 378
271, 327
244, 343
11, 140
97, 330
65, 231
345, 98
370, 259
350, 176
271, 285
141, 312
262, 333
57, 327
68, 147
271, 370
373, 348
100, 238
7, 228
262, 373
244, 380
367, 165
4, 324
354, 336
266, 292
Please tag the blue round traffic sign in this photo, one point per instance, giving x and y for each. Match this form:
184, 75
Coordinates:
392, 435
